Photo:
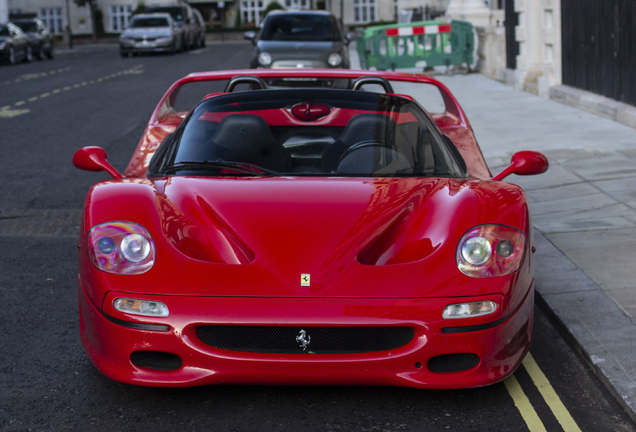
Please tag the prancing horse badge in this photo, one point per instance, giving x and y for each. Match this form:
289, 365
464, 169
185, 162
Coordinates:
305, 279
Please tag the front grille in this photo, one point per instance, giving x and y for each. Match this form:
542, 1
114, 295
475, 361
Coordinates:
289, 340
453, 362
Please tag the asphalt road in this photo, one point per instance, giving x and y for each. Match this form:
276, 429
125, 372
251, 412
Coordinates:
48, 110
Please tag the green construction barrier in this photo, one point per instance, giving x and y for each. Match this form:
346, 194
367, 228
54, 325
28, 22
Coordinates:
417, 44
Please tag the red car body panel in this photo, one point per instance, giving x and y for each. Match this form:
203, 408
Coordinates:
380, 251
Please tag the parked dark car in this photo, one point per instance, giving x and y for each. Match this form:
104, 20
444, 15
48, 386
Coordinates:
199, 28
14, 44
39, 36
182, 14
299, 40
151, 33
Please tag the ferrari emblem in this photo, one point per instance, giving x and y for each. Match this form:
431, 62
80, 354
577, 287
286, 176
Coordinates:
303, 339
305, 279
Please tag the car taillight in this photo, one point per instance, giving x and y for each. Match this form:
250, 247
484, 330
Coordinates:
121, 248
491, 250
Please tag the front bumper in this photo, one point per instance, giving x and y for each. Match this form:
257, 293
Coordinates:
154, 46
500, 343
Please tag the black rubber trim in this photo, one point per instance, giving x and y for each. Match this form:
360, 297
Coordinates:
478, 327
136, 326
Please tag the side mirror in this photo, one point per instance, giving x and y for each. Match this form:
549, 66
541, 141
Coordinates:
94, 159
249, 35
525, 163
350, 37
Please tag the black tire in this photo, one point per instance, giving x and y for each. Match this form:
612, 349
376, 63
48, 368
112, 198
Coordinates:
12, 56
203, 41
50, 53
123, 54
41, 55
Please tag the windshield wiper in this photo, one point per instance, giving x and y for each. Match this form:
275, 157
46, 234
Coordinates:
243, 167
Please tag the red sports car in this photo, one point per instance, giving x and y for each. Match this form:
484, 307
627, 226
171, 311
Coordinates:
317, 227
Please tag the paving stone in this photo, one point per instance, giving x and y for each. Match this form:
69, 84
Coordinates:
560, 192
571, 226
578, 203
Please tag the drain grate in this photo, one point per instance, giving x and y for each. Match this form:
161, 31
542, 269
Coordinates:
40, 222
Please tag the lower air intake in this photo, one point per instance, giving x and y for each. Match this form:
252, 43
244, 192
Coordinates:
156, 360
305, 340
453, 362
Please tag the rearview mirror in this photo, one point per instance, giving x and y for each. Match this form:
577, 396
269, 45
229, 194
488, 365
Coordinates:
525, 163
94, 159
249, 35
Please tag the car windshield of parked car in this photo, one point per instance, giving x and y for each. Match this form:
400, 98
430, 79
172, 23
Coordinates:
27, 26
307, 132
4, 30
176, 12
299, 27
148, 22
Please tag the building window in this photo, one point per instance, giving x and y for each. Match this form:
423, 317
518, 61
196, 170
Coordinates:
296, 4
119, 16
52, 18
364, 11
252, 12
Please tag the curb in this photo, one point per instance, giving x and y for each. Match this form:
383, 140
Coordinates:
594, 324
591, 102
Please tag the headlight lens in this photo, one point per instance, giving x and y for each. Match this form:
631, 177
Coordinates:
469, 310
141, 307
121, 248
335, 59
265, 59
491, 250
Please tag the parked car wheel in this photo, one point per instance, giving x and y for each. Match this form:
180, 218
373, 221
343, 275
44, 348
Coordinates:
50, 53
29, 55
41, 54
12, 55
123, 54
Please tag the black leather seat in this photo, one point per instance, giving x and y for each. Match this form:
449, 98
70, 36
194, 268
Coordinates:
248, 138
363, 127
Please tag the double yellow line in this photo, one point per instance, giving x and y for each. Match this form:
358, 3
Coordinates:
526, 409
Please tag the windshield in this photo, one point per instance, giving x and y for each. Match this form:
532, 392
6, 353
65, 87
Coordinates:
4, 30
307, 132
299, 27
176, 12
148, 22
29, 27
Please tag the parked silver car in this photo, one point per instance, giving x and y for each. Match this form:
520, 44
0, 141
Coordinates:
300, 39
151, 33
182, 14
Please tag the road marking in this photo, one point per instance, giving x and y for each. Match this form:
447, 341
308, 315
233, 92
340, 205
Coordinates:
524, 406
551, 398
8, 113
32, 76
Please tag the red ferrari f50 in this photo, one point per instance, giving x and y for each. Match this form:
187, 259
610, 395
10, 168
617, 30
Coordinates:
318, 227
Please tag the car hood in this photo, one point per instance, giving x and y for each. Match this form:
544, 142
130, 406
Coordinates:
353, 237
283, 50
147, 32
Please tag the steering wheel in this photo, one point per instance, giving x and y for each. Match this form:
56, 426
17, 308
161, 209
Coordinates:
361, 158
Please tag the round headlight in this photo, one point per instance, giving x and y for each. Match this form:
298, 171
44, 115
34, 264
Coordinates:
135, 248
476, 250
335, 59
265, 59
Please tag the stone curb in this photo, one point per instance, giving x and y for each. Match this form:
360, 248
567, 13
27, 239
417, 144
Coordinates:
595, 325
605, 107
